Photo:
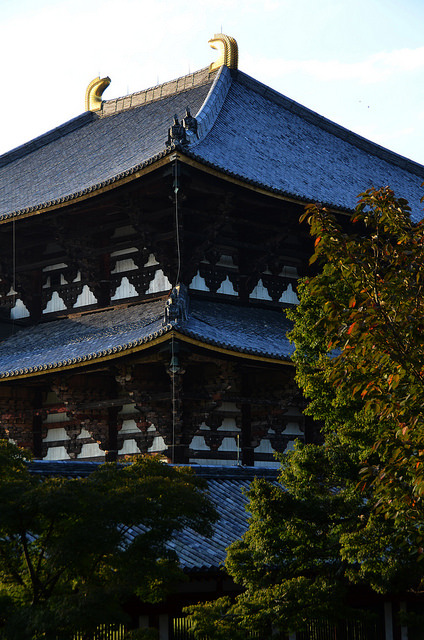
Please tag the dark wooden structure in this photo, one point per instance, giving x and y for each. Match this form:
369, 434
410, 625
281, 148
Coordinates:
148, 250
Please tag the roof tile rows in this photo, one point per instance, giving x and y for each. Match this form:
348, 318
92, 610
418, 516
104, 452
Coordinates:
87, 156
246, 129
78, 339
270, 140
226, 487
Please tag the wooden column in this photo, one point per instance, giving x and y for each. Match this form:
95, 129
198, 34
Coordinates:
37, 425
111, 453
247, 453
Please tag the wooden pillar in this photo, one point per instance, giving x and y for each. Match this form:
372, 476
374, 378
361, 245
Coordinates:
37, 426
388, 621
177, 446
103, 289
111, 453
247, 454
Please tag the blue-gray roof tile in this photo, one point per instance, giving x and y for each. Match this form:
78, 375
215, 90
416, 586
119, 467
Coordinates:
246, 129
226, 487
80, 339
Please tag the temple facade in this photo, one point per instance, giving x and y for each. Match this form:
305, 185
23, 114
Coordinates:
149, 250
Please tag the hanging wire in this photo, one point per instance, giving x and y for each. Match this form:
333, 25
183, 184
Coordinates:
177, 226
174, 400
13, 271
178, 249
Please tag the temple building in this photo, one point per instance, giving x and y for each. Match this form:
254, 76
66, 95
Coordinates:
149, 250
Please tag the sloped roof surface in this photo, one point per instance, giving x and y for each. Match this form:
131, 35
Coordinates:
244, 329
90, 151
271, 140
79, 339
245, 129
226, 487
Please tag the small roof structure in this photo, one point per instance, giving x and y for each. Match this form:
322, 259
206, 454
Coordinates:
226, 487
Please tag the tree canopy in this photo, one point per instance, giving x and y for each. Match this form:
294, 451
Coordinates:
348, 511
370, 294
69, 557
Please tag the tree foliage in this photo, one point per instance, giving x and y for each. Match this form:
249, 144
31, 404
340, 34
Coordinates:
310, 537
372, 326
69, 557
348, 511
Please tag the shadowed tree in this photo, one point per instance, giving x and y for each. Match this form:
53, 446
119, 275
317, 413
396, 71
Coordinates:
69, 558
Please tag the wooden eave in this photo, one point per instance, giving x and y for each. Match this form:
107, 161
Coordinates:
123, 351
147, 168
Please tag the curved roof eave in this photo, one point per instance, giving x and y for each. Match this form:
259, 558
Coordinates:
167, 155
121, 178
93, 337
312, 177
168, 332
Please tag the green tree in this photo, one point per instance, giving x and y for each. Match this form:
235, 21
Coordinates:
69, 558
310, 538
370, 294
350, 510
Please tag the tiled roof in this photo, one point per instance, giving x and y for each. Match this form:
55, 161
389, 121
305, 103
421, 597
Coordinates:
270, 140
226, 487
81, 339
244, 329
245, 129
90, 151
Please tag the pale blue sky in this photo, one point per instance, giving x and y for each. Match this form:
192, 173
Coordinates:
357, 62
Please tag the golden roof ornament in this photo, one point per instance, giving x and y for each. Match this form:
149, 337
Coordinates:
93, 95
228, 49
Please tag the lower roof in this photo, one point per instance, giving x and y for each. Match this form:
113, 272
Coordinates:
79, 340
226, 487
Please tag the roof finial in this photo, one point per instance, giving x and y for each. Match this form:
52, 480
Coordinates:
228, 51
93, 95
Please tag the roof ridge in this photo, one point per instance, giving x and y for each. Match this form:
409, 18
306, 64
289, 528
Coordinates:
152, 94
329, 125
212, 105
46, 138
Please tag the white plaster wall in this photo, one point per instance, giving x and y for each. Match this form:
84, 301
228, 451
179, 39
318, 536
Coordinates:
198, 283
85, 298
289, 296
227, 288
198, 444
159, 283
91, 450
125, 290
260, 292
19, 310
55, 434
121, 266
56, 453
55, 303
129, 447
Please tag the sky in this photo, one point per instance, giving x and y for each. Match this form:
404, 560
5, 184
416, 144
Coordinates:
359, 63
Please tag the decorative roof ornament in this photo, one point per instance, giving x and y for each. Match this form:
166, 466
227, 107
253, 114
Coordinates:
176, 307
94, 92
190, 123
176, 133
228, 49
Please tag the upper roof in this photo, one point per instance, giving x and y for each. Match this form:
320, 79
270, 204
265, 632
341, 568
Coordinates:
83, 338
245, 130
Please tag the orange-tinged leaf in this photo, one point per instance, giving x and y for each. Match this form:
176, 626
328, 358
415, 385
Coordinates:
351, 328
